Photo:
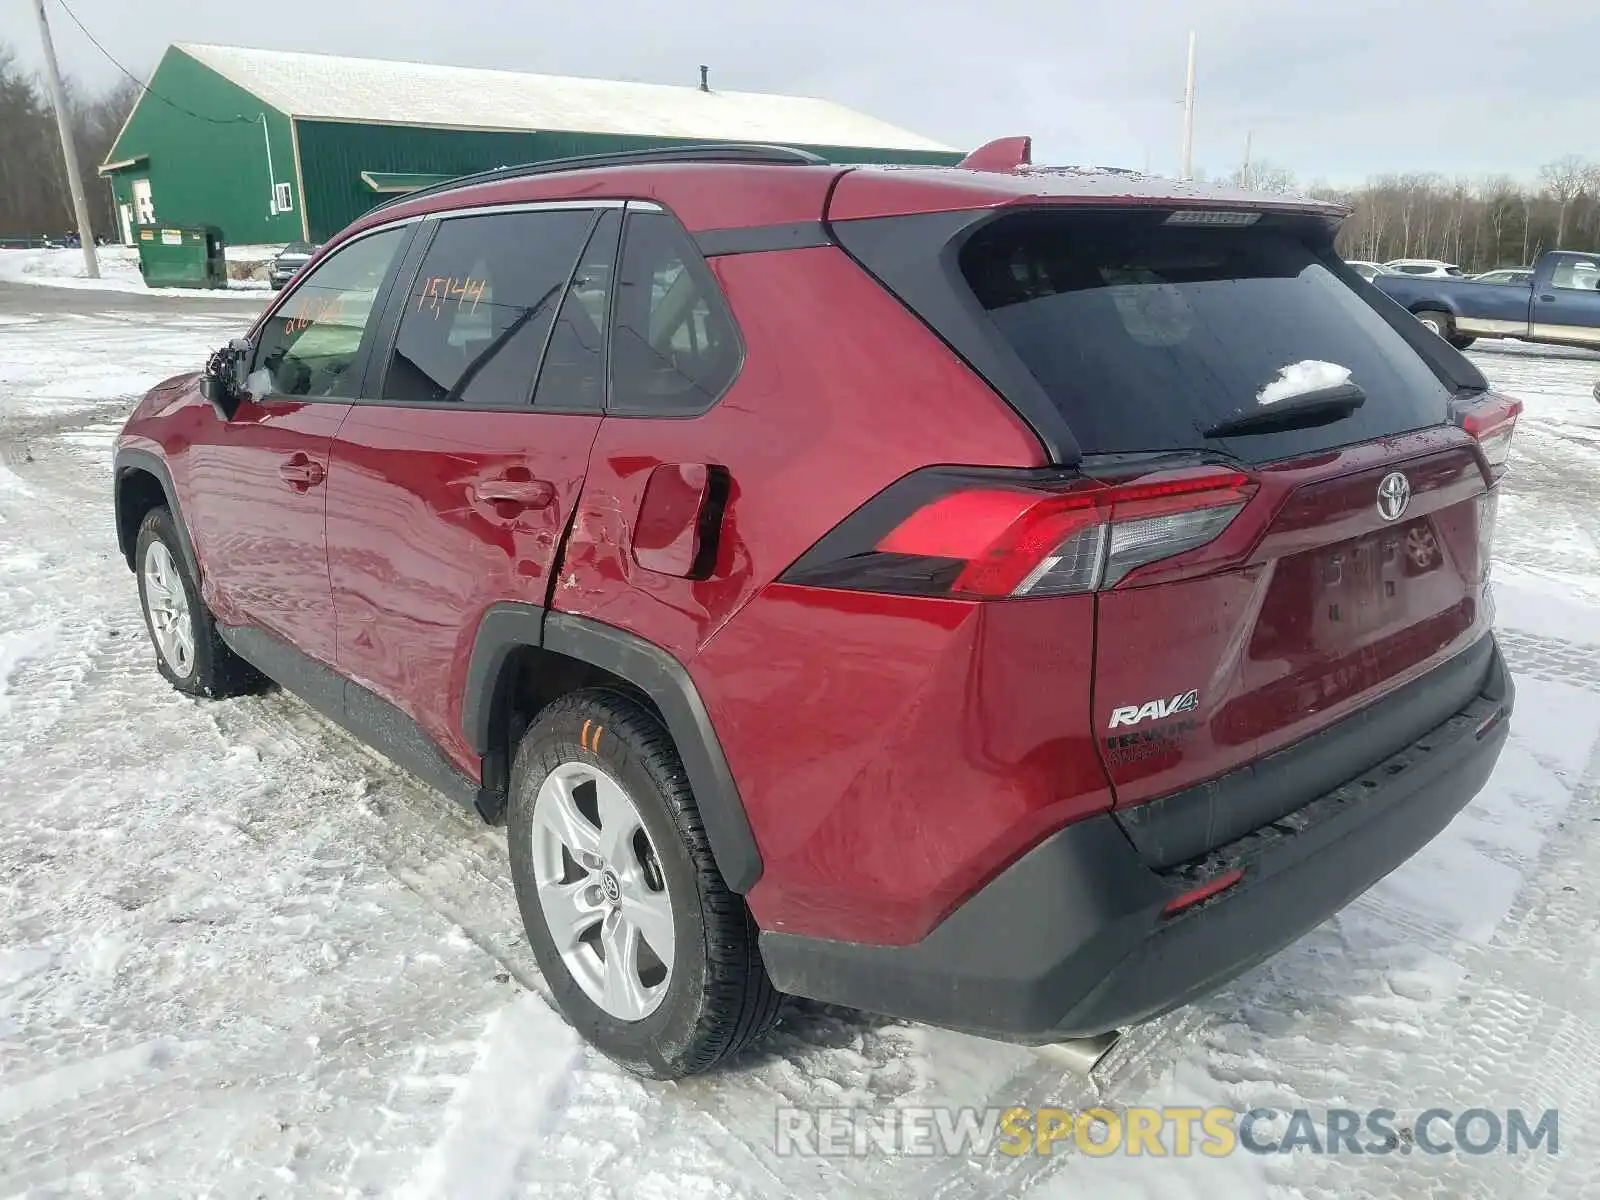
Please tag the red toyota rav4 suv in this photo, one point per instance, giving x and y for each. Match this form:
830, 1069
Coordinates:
1007, 598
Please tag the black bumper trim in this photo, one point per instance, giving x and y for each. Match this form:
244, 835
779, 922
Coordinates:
1070, 940
1181, 827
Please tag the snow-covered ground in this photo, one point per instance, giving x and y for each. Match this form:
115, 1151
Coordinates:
240, 956
119, 271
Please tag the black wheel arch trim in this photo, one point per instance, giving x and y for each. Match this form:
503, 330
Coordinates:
660, 676
128, 461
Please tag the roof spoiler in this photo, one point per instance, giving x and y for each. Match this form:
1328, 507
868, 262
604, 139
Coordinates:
1002, 154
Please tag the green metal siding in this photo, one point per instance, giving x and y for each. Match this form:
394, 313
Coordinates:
333, 154
208, 172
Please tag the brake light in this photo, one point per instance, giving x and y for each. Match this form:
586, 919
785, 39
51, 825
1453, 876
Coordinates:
1492, 421
992, 534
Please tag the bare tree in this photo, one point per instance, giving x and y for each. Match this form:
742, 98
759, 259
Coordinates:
1266, 177
34, 196
1565, 179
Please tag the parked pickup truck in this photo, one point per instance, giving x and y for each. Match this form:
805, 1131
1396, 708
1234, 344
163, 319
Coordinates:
1560, 307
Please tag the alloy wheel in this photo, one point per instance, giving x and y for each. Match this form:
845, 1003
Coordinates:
167, 604
602, 891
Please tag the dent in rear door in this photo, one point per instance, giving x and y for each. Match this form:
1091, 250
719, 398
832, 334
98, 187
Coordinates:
450, 487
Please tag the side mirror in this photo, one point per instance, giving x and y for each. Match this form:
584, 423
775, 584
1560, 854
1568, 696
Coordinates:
223, 382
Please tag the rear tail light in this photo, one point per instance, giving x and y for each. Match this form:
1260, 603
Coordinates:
1492, 421
989, 534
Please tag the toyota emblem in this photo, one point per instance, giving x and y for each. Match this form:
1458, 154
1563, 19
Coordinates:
1394, 496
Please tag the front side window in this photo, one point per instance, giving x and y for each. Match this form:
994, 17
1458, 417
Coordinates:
481, 307
675, 348
310, 344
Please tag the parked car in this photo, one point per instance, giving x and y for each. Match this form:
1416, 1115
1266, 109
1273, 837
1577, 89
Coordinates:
288, 261
1368, 269
753, 537
1559, 305
1430, 268
1506, 275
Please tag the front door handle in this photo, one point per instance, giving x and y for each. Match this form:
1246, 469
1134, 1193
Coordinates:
1548, 298
301, 473
523, 493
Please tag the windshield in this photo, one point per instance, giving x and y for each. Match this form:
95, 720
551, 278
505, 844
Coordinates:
1147, 335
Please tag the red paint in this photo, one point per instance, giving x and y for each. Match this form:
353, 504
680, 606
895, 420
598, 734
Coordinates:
1003, 154
805, 438
433, 516
893, 752
255, 509
667, 536
1249, 621
896, 752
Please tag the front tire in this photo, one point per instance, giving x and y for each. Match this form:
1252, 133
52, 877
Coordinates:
647, 952
189, 653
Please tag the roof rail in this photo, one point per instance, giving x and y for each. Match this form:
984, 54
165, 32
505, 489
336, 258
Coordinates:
710, 152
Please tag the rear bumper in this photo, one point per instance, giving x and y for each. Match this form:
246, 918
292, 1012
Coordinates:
1071, 939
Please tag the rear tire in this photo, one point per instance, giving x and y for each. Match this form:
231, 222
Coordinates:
597, 773
1461, 341
1439, 323
189, 653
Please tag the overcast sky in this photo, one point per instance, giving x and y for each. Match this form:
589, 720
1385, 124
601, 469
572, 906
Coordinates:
1334, 92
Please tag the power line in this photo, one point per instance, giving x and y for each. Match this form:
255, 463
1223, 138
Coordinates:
145, 88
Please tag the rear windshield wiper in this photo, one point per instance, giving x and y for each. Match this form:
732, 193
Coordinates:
1304, 411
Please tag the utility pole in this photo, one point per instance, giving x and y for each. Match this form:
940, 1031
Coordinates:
69, 152
1244, 171
1188, 168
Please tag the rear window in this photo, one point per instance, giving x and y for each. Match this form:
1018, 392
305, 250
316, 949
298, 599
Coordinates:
1145, 335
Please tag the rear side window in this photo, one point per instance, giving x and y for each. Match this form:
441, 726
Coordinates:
1145, 335
675, 347
1576, 274
574, 371
481, 308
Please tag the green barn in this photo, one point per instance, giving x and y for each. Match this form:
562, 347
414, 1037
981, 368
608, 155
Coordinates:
276, 147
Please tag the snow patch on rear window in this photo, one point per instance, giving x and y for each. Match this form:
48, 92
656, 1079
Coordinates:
1308, 375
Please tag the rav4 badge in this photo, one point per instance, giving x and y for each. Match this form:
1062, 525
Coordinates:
1154, 710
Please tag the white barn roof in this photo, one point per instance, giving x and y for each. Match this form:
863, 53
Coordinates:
365, 89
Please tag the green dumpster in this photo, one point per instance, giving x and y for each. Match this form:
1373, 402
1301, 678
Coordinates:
191, 256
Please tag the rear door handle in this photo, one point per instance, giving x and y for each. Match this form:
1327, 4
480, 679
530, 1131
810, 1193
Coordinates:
524, 493
301, 473
1548, 298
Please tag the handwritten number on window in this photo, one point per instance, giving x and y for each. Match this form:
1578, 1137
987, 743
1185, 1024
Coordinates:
437, 291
